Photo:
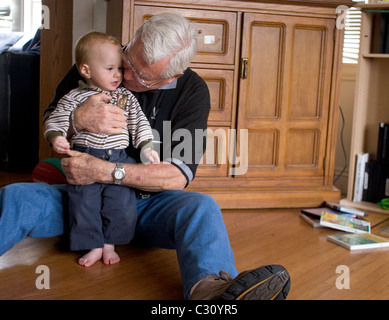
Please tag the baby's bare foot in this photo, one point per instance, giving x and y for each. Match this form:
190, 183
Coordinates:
91, 257
109, 254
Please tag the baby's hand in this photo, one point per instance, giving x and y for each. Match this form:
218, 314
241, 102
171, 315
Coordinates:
60, 144
151, 155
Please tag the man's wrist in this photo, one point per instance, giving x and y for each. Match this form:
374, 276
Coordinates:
106, 173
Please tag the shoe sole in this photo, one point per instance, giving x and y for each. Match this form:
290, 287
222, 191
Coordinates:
270, 282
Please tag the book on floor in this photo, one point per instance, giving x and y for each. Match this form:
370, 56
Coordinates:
341, 222
313, 220
357, 241
320, 210
343, 209
312, 215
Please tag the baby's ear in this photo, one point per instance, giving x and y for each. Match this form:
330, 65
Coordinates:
85, 71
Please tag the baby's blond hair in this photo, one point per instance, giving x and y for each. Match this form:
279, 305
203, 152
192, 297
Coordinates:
85, 44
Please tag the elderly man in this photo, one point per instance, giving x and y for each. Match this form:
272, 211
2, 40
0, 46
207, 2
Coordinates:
173, 97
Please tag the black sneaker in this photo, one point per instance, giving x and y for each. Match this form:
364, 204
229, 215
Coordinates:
271, 282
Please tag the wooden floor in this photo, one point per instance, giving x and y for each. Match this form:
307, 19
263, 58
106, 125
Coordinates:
257, 238
12, 177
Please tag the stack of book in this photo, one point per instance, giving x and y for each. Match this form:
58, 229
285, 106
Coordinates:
336, 216
350, 220
372, 177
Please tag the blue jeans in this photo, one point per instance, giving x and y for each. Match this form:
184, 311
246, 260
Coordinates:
101, 213
191, 223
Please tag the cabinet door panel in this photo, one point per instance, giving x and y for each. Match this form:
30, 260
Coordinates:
216, 31
220, 84
264, 75
302, 148
307, 48
284, 102
266, 144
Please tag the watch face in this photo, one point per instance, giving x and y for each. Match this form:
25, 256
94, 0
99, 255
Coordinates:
119, 174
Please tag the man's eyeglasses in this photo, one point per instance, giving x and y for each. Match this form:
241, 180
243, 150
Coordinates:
139, 78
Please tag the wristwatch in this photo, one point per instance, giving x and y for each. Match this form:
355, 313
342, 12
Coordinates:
118, 173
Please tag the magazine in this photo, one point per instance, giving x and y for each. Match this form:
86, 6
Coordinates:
341, 222
312, 215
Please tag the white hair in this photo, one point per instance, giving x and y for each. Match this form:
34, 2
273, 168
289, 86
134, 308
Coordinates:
168, 35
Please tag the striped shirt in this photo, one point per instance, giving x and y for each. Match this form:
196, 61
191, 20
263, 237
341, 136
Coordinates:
138, 127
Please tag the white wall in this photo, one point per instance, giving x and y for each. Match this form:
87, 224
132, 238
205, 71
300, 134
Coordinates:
88, 15
347, 91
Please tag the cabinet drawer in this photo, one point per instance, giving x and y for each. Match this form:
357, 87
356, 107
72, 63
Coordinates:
216, 31
220, 85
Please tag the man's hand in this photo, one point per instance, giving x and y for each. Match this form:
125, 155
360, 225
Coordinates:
82, 168
97, 116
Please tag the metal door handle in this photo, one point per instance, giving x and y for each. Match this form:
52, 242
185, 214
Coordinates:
244, 68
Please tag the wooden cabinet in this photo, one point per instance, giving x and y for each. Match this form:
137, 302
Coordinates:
284, 102
371, 97
273, 72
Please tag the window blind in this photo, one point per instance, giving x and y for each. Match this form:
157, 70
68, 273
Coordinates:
5, 16
352, 34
